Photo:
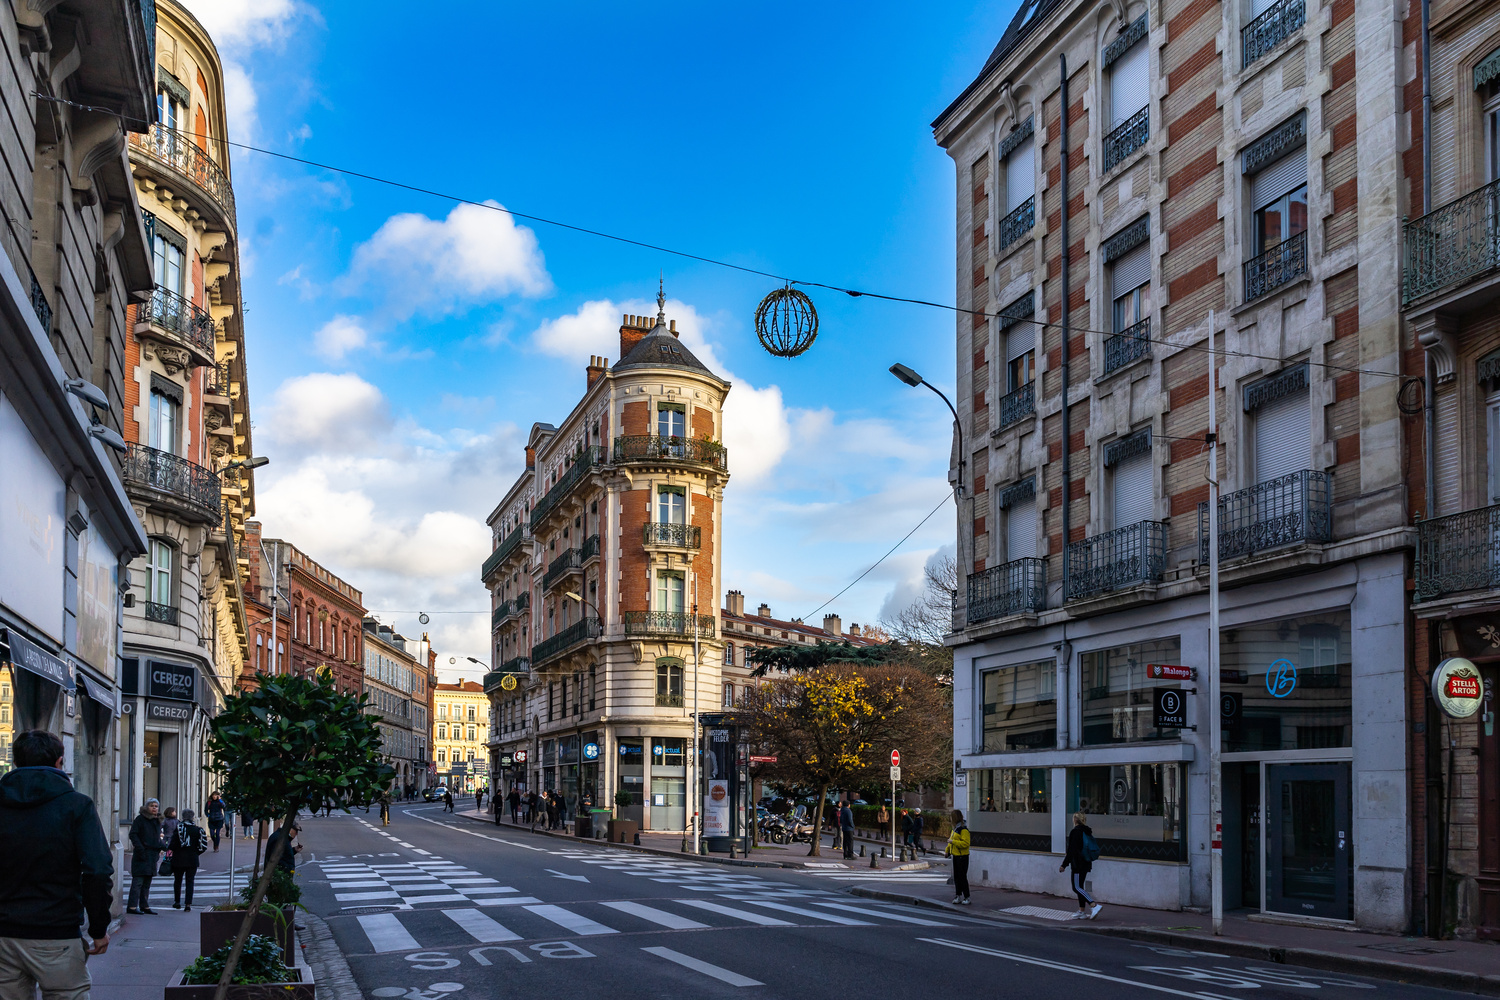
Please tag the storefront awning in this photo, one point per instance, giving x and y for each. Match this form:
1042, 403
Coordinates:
27, 655
101, 694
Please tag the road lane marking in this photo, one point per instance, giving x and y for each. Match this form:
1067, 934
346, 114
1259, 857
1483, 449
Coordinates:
697, 965
386, 933
569, 920
483, 929
441, 898
903, 917
1075, 970
730, 911
344, 897
847, 921
558, 874
651, 913
507, 901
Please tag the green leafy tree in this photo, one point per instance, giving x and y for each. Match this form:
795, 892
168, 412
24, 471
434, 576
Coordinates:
290, 744
801, 659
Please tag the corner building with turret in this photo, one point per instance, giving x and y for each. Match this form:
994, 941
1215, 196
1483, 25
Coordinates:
605, 583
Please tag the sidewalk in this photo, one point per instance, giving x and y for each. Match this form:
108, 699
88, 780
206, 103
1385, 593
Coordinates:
1466, 966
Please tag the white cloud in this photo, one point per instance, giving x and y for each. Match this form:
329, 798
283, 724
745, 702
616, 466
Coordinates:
321, 412
437, 266
244, 22
339, 336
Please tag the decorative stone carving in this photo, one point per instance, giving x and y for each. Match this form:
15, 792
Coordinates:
213, 419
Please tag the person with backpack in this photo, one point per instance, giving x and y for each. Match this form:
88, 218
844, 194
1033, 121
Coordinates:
187, 843
1083, 851
916, 834
214, 811
958, 850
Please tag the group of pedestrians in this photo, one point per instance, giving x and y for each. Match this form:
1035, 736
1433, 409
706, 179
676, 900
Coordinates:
163, 844
547, 809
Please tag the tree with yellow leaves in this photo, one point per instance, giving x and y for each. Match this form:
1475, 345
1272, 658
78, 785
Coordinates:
835, 728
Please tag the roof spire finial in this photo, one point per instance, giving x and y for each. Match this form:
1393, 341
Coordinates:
661, 298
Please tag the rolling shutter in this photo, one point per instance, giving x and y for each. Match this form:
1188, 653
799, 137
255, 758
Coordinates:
1286, 174
1128, 86
1445, 449
1020, 531
1134, 498
1131, 271
1283, 436
1020, 175
1494, 420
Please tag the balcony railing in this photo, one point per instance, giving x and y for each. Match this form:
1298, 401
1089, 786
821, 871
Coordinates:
182, 154
164, 613
1018, 405
571, 561
217, 382
1292, 509
1452, 244
1130, 135
178, 316
1282, 263
589, 549
1018, 587
577, 469
501, 553
655, 448
1134, 554
1129, 345
668, 700
683, 536
516, 665
176, 477
1272, 28
1018, 223
579, 632
1458, 553
669, 623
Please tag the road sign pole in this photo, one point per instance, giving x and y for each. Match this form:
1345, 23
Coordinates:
1215, 711
893, 819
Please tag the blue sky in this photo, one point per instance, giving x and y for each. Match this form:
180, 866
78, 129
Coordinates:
400, 347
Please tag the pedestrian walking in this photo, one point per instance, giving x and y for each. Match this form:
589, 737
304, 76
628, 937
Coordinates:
552, 810
214, 811
57, 867
916, 833
846, 827
246, 824
168, 824
1083, 851
145, 847
532, 803
385, 808
514, 801
187, 844
478, 800
958, 850
447, 801
289, 851
905, 830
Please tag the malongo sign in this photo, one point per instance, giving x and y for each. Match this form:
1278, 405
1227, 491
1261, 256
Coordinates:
1457, 688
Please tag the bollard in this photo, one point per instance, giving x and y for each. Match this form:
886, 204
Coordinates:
731, 848
861, 850
637, 839
872, 860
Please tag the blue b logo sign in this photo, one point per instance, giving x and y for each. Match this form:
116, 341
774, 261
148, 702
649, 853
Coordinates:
1281, 678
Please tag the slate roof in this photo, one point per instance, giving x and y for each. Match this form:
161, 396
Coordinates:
661, 349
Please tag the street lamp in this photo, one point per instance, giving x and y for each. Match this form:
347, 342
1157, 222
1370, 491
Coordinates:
244, 463
911, 378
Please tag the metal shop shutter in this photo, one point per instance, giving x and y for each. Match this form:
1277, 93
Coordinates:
1020, 531
1129, 86
1283, 436
1134, 498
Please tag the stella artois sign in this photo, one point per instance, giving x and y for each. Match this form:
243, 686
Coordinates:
1457, 688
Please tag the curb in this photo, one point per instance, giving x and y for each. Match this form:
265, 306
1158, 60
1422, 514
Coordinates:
330, 969
1310, 958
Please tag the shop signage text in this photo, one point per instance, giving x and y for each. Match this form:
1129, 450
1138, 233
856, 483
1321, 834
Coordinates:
1171, 709
166, 711
1281, 678
169, 680
762, 760
29, 656
1457, 688
1169, 672
591, 751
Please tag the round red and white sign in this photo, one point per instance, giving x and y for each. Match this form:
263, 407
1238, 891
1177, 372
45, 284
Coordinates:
895, 758
1457, 688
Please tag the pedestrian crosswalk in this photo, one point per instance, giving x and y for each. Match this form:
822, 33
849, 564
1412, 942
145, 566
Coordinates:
407, 884
416, 929
209, 888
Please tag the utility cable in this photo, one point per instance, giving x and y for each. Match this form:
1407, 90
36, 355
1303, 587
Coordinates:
882, 559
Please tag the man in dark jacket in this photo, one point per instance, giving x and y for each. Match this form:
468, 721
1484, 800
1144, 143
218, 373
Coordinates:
57, 871
146, 846
288, 860
846, 828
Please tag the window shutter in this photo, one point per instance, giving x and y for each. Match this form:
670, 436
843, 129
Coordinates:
1019, 339
1494, 422
1286, 174
1259, 7
1445, 449
1131, 271
1134, 499
1128, 85
1283, 436
1020, 175
1020, 531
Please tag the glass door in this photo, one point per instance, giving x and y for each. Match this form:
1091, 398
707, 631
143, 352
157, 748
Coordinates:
1310, 854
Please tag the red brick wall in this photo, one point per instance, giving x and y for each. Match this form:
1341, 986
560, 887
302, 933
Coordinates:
634, 594
635, 418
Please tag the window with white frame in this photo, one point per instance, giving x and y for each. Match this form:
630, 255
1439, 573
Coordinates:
671, 505
168, 260
161, 573
163, 428
671, 592
671, 420
728, 694
1130, 287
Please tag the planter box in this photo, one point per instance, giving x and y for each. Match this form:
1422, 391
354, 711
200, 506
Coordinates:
216, 928
303, 989
623, 831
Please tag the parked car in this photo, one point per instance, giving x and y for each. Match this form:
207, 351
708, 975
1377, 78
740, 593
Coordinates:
435, 794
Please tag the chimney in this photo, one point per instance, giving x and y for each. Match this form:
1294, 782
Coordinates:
597, 367
833, 625
735, 603
672, 325
632, 331
764, 610
530, 457
854, 629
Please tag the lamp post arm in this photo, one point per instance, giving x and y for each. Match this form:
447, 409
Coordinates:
958, 428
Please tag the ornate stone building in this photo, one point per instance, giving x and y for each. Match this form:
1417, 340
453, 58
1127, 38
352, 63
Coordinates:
606, 579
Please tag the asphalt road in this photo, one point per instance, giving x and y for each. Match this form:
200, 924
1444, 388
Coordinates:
434, 906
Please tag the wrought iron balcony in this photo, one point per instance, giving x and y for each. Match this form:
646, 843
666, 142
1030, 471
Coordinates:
1018, 405
181, 153
1126, 138
1271, 28
669, 623
668, 700
576, 634
1458, 553
1282, 263
1293, 509
1452, 244
494, 680
1125, 557
501, 553
217, 382
177, 316
1018, 587
177, 479
1017, 224
570, 561
164, 613
683, 536
509, 609
1128, 346
579, 467
654, 448
589, 549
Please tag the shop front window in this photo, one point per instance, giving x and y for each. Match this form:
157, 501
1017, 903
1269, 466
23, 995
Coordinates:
1286, 684
1135, 810
1119, 692
1010, 808
1019, 707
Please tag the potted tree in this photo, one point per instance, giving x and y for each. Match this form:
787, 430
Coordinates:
219, 925
623, 831
289, 744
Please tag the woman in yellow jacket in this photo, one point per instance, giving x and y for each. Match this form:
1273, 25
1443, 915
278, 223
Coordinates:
958, 850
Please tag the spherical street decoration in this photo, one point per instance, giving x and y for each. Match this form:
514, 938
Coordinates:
786, 322
508, 682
